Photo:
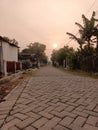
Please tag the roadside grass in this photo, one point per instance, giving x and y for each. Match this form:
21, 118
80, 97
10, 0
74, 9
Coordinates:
80, 73
30, 73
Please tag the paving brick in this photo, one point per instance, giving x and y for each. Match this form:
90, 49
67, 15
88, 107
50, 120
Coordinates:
79, 121
55, 100
9, 118
38, 109
49, 109
52, 100
1, 122
74, 127
96, 109
29, 128
92, 120
27, 110
80, 108
52, 104
59, 127
16, 110
45, 128
91, 106
10, 124
89, 127
60, 108
25, 123
66, 121
40, 122
52, 123
46, 114
58, 114
70, 114
34, 115
72, 104
4, 112
69, 108
83, 114
20, 116
12, 128
2, 116
91, 113
22, 106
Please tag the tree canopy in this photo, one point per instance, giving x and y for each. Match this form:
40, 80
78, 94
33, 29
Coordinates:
87, 55
86, 31
60, 55
36, 49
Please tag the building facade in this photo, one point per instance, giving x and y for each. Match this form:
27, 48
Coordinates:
8, 56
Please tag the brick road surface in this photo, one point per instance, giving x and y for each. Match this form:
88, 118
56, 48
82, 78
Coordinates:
51, 100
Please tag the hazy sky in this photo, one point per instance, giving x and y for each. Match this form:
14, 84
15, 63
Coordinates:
45, 21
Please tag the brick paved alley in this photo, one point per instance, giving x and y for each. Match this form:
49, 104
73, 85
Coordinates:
51, 100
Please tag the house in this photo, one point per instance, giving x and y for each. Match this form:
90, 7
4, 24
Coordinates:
28, 60
8, 57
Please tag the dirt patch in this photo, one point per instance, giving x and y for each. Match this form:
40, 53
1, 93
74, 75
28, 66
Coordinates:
5, 88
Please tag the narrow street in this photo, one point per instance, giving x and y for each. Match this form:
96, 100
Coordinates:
51, 100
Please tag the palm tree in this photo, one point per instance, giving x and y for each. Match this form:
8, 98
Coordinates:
86, 31
79, 40
88, 35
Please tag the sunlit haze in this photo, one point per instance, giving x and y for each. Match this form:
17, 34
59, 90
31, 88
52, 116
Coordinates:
44, 21
55, 45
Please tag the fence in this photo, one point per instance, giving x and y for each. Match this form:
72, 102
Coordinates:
13, 66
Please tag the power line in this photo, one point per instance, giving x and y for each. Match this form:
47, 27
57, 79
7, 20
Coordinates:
91, 7
80, 21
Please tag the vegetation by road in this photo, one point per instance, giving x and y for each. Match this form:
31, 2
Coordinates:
86, 56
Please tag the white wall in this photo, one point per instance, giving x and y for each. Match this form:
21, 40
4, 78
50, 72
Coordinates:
10, 53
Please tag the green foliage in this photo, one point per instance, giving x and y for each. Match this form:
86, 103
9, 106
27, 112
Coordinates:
86, 58
58, 56
79, 40
74, 61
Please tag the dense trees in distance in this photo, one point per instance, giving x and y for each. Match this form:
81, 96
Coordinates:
59, 56
36, 50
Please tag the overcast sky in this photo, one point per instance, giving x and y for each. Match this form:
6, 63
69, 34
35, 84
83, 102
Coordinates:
45, 21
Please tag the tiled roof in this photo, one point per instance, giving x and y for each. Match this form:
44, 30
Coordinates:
1, 38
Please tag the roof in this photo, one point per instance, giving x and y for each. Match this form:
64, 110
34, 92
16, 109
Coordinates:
1, 38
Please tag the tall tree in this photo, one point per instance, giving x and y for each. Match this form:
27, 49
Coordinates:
80, 41
86, 31
89, 36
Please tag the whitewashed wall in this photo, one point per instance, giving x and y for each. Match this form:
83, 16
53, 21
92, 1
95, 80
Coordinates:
10, 53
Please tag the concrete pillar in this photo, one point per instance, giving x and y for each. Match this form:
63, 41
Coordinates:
5, 67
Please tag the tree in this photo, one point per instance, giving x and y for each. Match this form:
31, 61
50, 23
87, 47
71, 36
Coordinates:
36, 49
54, 57
79, 40
86, 31
88, 36
58, 56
